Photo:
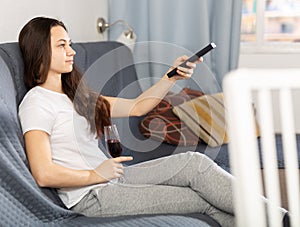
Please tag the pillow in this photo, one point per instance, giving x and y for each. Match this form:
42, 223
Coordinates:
163, 125
205, 116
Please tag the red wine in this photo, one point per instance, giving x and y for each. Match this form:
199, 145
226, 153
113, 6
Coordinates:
114, 148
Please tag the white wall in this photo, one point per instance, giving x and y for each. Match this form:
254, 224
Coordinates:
79, 16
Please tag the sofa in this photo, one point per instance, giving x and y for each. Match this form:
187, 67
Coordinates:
22, 202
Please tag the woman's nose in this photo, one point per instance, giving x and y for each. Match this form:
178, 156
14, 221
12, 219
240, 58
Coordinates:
71, 51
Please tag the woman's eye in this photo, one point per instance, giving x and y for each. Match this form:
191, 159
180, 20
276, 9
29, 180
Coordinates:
62, 45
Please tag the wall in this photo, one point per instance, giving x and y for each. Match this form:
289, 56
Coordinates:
79, 16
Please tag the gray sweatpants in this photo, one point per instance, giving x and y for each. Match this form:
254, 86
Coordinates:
181, 183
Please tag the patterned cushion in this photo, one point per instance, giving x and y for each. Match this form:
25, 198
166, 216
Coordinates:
205, 116
163, 125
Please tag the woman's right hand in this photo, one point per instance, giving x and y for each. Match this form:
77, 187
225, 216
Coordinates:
112, 168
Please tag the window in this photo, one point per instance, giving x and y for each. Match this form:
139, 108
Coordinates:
273, 23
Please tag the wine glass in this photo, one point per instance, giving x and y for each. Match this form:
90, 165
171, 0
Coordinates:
112, 140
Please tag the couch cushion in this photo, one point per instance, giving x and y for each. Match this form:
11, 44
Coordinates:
8, 113
10, 53
109, 69
163, 125
205, 116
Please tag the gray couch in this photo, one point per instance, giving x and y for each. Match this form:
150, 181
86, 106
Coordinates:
22, 202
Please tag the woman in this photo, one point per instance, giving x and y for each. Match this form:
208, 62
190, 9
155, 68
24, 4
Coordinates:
182, 183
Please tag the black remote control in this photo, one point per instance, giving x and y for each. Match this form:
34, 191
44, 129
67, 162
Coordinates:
194, 58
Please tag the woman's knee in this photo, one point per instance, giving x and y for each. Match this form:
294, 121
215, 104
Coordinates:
197, 155
202, 161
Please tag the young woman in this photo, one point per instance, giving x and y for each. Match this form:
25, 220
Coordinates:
80, 171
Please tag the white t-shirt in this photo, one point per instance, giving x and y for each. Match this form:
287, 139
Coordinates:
72, 143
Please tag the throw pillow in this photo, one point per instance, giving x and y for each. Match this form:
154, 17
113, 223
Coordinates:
163, 125
205, 116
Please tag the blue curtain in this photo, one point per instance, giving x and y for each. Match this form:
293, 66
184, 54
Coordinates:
166, 29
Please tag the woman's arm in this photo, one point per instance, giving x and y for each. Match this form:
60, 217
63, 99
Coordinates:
48, 174
150, 98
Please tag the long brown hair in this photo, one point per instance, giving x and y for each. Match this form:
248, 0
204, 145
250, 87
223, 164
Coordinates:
35, 45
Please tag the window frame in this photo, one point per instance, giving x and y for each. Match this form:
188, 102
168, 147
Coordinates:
260, 46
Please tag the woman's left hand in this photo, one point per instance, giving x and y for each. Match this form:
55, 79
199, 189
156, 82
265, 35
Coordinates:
184, 72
